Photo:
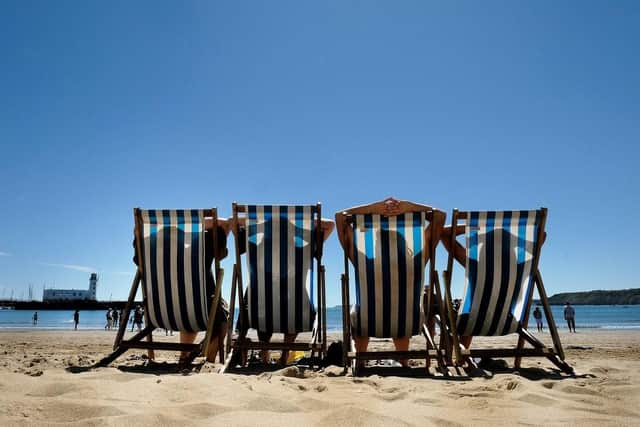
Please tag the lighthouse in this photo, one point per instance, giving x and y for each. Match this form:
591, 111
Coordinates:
73, 294
93, 284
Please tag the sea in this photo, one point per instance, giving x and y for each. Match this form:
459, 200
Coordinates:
588, 318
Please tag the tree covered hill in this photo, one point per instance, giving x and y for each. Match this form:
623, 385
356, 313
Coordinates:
617, 297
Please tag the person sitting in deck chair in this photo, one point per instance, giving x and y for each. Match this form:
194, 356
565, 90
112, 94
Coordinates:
387, 208
327, 226
222, 314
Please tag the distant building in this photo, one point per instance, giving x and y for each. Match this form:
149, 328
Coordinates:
73, 294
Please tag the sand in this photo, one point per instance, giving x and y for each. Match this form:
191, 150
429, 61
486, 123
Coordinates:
41, 383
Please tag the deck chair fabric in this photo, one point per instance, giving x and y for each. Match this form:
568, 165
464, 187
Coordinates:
280, 242
500, 252
389, 274
386, 244
175, 254
282, 247
177, 269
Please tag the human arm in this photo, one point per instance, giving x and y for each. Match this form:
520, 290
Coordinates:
327, 227
459, 252
433, 232
345, 234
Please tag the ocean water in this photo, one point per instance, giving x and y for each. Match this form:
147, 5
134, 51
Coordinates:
588, 317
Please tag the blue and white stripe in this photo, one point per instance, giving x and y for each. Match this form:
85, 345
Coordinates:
281, 242
389, 265
178, 283
500, 251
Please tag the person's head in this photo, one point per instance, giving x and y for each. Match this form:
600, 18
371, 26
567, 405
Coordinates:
567, 303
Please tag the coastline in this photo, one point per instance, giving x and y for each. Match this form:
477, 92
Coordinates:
37, 388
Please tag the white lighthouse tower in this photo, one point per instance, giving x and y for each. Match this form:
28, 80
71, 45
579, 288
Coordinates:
93, 284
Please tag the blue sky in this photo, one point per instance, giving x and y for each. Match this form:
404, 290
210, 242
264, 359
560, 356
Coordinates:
105, 106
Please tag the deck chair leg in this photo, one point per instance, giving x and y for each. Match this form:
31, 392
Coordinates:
221, 351
525, 323
355, 370
427, 313
150, 353
106, 361
548, 314
445, 342
215, 306
346, 324
232, 308
450, 317
127, 309
526, 335
324, 307
120, 350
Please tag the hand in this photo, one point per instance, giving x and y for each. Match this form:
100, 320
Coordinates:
391, 207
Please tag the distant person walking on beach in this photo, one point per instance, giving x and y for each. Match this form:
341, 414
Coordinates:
537, 314
114, 314
570, 316
35, 318
137, 318
76, 320
109, 320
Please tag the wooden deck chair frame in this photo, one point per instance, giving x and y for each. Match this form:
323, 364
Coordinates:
538, 349
121, 345
432, 303
235, 345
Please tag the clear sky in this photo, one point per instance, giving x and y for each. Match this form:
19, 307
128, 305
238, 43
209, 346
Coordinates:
105, 106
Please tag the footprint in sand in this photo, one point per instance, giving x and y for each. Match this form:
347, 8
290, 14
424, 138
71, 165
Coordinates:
509, 384
320, 388
538, 400
619, 412
353, 416
270, 405
443, 422
54, 390
63, 412
581, 390
391, 394
202, 410
426, 402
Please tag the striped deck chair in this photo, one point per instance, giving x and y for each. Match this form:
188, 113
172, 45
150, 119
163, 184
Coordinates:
174, 254
387, 252
282, 248
501, 268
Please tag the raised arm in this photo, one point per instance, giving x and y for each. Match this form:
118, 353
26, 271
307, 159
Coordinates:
459, 252
433, 231
389, 207
327, 227
345, 234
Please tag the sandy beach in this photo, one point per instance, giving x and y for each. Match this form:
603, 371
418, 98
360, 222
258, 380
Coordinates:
38, 386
